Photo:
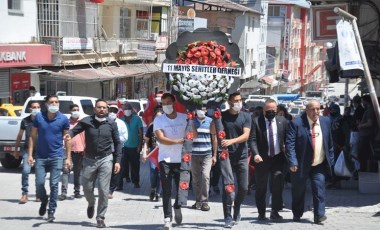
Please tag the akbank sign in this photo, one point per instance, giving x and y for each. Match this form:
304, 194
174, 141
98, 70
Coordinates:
13, 56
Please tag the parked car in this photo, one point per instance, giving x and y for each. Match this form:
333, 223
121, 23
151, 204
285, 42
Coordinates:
12, 124
10, 110
295, 112
138, 105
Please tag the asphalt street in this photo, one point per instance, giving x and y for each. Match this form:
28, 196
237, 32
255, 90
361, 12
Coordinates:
131, 209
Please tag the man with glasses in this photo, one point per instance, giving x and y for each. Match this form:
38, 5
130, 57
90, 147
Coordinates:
100, 134
310, 153
267, 143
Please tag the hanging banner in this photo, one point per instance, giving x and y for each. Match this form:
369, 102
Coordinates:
349, 57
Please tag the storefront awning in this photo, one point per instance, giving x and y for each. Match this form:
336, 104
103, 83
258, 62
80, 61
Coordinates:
102, 74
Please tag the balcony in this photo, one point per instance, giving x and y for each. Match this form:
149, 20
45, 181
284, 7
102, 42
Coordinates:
79, 51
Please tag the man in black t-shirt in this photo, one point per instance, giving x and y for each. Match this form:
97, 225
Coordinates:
26, 125
237, 125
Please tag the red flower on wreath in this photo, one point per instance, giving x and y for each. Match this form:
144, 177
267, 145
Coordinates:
190, 115
189, 135
230, 188
217, 114
186, 157
224, 155
205, 53
184, 185
221, 134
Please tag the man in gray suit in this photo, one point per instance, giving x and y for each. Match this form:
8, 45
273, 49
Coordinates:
267, 143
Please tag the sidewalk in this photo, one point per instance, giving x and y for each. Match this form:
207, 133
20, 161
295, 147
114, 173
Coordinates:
131, 209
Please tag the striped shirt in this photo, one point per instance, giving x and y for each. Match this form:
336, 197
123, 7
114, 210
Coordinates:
202, 144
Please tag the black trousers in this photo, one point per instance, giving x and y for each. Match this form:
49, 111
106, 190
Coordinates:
168, 172
239, 165
215, 174
130, 160
273, 167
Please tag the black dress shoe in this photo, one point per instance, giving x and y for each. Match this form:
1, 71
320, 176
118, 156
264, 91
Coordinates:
42, 210
319, 219
296, 219
275, 216
90, 211
100, 223
262, 217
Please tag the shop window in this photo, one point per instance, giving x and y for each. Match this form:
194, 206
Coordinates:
142, 20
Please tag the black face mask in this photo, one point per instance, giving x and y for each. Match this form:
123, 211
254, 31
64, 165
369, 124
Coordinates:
270, 114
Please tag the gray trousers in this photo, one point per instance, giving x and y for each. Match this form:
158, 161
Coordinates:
200, 170
76, 161
100, 169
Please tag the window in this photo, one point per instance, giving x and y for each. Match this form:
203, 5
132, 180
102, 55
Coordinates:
87, 106
276, 11
64, 106
15, 7
142, 20
125, 23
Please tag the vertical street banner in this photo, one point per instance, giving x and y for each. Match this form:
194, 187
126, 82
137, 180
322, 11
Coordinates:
349, 57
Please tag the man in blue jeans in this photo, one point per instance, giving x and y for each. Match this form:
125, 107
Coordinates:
48, 130
26, 126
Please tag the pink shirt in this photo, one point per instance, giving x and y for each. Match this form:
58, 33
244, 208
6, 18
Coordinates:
77, 142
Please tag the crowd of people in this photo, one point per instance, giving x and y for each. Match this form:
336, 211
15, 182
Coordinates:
103, 151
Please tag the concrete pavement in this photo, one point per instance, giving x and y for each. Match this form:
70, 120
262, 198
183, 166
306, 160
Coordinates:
131, 209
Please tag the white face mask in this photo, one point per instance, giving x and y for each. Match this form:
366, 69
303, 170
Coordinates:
35, 111
112, 116
75, 114
168, 109
127, 112
201, 114
237, 106
100, 119
53, 108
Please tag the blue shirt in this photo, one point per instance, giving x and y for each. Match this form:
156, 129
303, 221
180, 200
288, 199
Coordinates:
202, 144
50, 134
133, 126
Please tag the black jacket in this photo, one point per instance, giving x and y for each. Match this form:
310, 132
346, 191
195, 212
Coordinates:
99, 137
258, 141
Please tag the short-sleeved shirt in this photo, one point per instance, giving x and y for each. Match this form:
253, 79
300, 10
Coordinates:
234, 125
26, 125
172, 129
50, 134
202, 144
133, 127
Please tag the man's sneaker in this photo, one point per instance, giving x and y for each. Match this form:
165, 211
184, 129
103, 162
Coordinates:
228, 222
137, 185
90, 211
62, 197
51, 217
110, 196
157, 197
197, 206
168, 224
100, 223
42, 210
152, 194
178, 215
205, 207
23, 199
77, 195
237, 219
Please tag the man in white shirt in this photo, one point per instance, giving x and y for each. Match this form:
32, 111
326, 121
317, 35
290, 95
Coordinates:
170, 130
123, 134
